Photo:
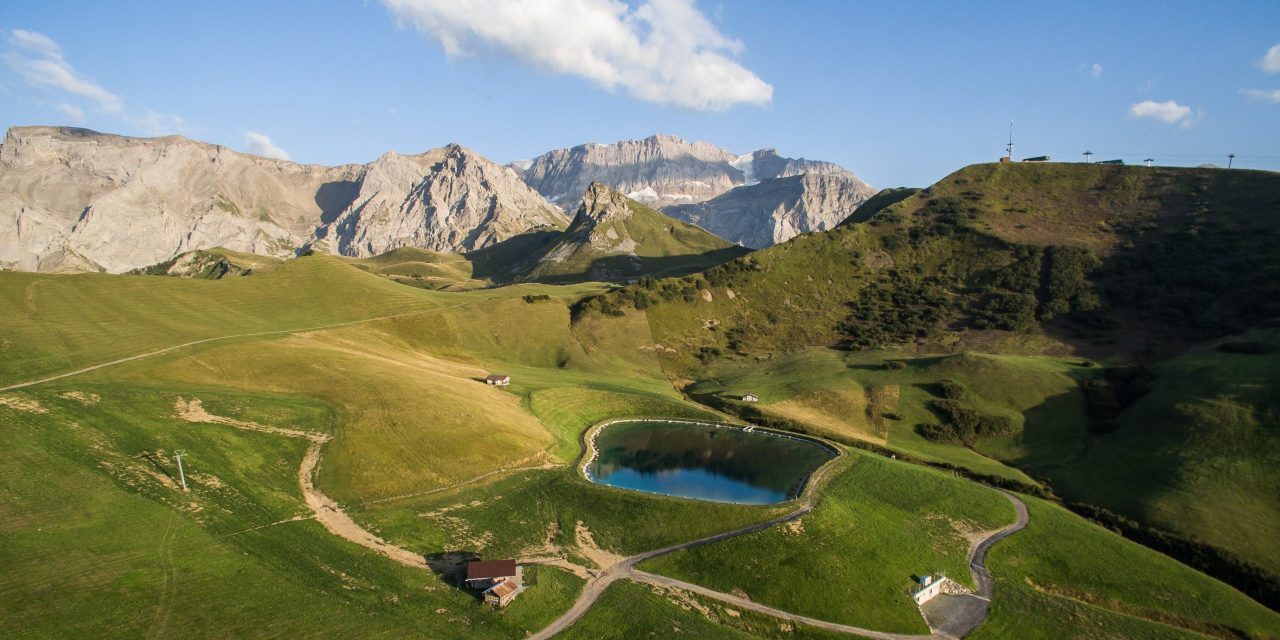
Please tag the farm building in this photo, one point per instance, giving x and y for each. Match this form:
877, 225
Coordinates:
751, 397
1036, 159
926, 587
497, 379
500, 581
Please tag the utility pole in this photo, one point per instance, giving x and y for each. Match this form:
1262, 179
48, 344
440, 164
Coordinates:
1009, 147
1230, 158
177, 455
1087, 156
1148, 161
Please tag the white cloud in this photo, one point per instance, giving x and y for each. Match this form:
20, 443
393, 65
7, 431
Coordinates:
1265, 95
41, 63
260, 144
74, 113
152, 123
1096, 70
1271, 61
38, 59
1168, 112
662, 51
36, 42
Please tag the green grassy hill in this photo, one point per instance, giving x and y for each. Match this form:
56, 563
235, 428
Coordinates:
616, 238
211, 264
98, 539
1114, 271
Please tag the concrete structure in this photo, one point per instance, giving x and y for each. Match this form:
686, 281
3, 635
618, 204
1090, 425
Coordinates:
926, 587
497, 379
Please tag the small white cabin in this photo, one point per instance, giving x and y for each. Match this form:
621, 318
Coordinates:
924, 589
751, 397
497, 380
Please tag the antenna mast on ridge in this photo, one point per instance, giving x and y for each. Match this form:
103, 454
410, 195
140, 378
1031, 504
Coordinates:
1009, 147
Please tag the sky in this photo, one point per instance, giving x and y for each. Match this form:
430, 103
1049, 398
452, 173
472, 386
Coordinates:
901, 93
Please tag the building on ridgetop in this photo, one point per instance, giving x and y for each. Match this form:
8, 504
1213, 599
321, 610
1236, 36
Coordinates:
497, 379
751, 397
924, 588
499, 581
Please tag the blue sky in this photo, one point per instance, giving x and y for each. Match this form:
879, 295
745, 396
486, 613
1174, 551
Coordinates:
902, 93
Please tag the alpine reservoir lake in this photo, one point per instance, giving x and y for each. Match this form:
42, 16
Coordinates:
706, 462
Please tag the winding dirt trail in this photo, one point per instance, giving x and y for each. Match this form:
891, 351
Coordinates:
324, 510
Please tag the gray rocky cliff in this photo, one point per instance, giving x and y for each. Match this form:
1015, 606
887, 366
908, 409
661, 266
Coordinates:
78, 200
669, 173
777, 209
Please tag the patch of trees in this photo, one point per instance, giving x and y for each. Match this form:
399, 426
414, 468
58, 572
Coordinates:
1256, 582
949, 214
1039, 284
1066, 286
728, 274
706, 354
947, 388
961, 424
604, 304
1108, 394
1244, 347
1005, 311
892, 311
532, 298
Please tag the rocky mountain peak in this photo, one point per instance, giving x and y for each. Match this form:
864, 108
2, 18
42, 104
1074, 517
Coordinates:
600, 204
660, 171
75, 199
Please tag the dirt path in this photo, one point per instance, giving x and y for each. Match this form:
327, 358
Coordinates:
193, 343
324, 510
962, 614
328, 513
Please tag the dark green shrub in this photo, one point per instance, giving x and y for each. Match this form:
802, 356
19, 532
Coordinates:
949, 389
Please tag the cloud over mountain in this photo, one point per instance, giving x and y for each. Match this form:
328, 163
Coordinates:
38, 59
260, 144
662, 51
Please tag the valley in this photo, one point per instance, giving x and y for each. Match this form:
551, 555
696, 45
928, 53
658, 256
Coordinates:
344, 455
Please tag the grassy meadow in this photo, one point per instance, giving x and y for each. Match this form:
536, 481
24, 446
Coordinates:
1198, 455
880, 522
99, 541
1062, 567
96, 539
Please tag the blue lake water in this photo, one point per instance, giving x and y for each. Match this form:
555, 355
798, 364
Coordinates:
704, 462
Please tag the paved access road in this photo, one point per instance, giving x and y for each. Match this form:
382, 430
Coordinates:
956, 615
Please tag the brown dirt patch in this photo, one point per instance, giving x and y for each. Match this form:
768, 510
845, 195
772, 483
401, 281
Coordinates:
83, 397
25, 405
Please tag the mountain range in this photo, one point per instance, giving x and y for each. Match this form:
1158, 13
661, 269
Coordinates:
751, 199
78, 200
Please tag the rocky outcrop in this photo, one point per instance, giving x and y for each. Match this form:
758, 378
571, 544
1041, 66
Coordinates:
658, 171
778, 209
448, 200
613, 237
669, 173
78, 200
